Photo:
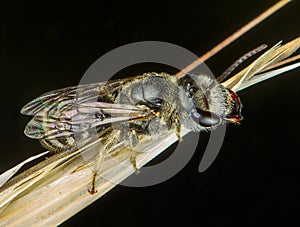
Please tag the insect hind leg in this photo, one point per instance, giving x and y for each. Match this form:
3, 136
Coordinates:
109, 140
99, 160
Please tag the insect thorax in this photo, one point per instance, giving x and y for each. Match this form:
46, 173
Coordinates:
159, 93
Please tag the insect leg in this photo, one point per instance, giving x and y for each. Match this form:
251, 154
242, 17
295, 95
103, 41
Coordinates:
177, 125
110, 139
133, 139
99, 161
173, 123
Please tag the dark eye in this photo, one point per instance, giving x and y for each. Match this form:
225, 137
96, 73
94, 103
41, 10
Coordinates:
205, 118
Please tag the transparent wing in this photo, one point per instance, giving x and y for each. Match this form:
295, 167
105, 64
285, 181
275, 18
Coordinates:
64, 112
82, 118
63, 98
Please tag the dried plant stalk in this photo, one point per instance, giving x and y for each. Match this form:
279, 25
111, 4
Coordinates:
56, 189
273, 56
49, 194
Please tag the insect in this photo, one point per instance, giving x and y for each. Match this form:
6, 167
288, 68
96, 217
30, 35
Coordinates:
142, 106
145, 104
128, 110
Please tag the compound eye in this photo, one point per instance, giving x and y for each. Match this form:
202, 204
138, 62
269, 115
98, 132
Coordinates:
205, 118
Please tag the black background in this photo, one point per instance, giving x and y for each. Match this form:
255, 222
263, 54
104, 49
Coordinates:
254, 180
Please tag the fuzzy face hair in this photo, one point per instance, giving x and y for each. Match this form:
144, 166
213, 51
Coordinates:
205, 101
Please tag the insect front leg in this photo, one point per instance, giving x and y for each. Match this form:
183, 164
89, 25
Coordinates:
173, 123
177, 126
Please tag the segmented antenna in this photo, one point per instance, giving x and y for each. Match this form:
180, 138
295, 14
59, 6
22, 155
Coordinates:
231, 68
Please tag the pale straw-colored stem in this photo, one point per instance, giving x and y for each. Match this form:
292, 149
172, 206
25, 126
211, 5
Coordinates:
57, 188
286, 61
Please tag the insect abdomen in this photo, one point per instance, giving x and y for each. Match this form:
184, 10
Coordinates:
58, 145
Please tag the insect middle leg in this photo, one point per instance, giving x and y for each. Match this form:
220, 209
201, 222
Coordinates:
133, 139
112, 139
